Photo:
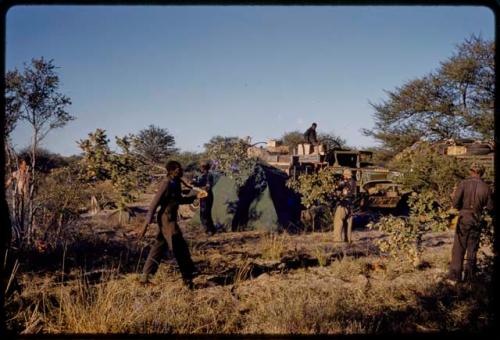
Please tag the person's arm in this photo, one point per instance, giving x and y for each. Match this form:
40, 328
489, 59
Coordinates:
196, 181
458, 197
163, 190
210, 182
186, 183
187, 199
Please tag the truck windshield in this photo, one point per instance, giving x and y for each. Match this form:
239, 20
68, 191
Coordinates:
346, 159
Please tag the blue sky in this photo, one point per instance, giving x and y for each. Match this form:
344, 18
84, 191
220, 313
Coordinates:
258, 71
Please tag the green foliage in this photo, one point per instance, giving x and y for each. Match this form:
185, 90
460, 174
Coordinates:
230, 157
316, 188
453, 102
154, 144
96, 157
127, 173
60, 198
34, 95
424, 169
12, 101
189, 160
486, 258
405, 234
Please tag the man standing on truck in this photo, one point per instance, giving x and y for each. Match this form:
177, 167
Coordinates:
471, 197
168, 198
342, 220
310, 135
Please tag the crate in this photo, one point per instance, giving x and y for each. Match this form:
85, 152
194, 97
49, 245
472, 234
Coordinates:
272, 143
456, 150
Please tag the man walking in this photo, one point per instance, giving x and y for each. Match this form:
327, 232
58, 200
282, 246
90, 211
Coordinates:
206, 182
168, 198
342, 220
471, 197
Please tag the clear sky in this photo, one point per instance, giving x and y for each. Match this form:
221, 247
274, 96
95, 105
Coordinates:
258, 71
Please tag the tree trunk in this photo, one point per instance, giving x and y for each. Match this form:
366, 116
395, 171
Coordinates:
32, 187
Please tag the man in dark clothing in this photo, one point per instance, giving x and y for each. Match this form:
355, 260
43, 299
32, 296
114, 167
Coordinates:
342, 220
206, 182
471, 197
168, 198
310, 135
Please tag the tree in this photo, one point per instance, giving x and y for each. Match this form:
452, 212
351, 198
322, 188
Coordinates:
424, 169
12, 112
189, 160
45, 159
230, 157
35, 93
127, 173
456, 101
331, 140
292, 139
153, 144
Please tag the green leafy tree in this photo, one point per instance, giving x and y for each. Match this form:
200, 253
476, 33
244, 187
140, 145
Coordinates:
12, 113
127, 173
424, 169
34, 94
153, 144
317, 191
456, 101
189, 160
230, 157
96, 156
405, 234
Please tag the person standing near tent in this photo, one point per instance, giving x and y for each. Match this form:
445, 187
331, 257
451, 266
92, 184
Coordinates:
206, 182
342, 221
471, 197
168, 198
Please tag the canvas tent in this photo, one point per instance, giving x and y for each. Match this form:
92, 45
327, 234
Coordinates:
263, 203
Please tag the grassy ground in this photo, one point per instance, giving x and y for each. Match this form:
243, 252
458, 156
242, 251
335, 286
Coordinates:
249, 282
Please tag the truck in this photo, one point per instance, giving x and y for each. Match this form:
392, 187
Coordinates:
377, 185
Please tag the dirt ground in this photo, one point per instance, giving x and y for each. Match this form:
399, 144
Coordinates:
265, 283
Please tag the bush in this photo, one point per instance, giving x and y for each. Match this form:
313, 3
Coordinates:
424, 169
59, 201
405, 234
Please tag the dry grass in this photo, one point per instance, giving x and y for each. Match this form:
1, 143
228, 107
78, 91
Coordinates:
337, 295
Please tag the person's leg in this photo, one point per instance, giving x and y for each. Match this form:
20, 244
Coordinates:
457, 254
154, 257
179, 248
206, 214
471, 254
349, 228
210, 221
338, 224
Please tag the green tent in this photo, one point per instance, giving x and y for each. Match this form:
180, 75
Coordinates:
263, 203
